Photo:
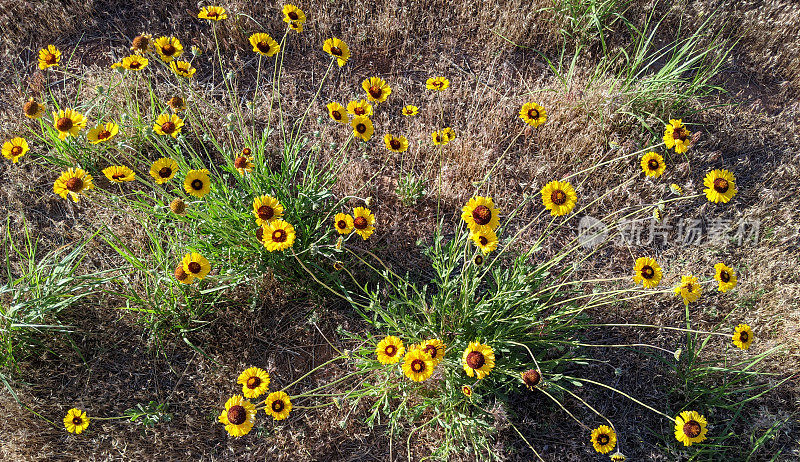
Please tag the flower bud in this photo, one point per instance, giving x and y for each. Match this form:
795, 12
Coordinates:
178, 206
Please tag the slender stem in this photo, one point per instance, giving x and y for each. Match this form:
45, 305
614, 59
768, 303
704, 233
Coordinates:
255, 96
326, 340
585, 404
582, 281
645, 345
328, 384
411, 433
228, 86
309, 373
497, 162
526, 441
536, 363
680, 329
299, 124
564, 409
110, 418
601, 164
319, 406
313, 276
621, 393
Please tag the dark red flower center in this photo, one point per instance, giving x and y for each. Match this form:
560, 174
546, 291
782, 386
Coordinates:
197, 184
263, 46
361, 128
31, 108
482, 215
475, 359
265, 212
603, 439
336, 51
260, 234
176, 102
558, 197
531, 377
16, 150
74, 184
375, 91
648, 272
117, 176
483, 240
240, 162
438, 83
680, 133
77, 420
341, 224
141, 43
253, 382
195, 267
104, 134
533, 113
390, 350
246, 152
692, 429
63, 124
135, 64
278, 405
721, 185
168, 49
338, 115
395, 143
688, 287
237, 415
360, 222
165, 172
279, 235
652, 164
212, 14
744, 336
725, 276
478, 260
168, 127
50, 58
293, 16
431, 350
418, 365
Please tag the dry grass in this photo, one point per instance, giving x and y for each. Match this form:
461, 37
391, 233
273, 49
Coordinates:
752, 132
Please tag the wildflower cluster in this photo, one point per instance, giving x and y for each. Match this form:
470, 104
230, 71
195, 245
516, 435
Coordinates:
239, 415
464, 309
484, 326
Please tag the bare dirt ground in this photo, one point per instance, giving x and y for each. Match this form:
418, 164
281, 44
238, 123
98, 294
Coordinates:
751, 128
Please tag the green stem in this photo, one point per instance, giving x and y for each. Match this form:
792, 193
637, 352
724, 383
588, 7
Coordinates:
621, 393
679, 329
308, 373
299, 124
